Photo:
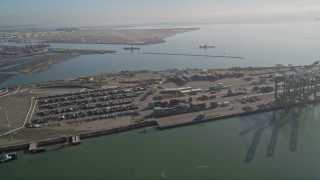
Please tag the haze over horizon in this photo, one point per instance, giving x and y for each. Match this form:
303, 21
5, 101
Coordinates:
99, 12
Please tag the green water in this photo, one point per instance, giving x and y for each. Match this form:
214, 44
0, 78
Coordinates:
215, 150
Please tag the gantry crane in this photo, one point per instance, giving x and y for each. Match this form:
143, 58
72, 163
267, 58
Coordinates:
297, 86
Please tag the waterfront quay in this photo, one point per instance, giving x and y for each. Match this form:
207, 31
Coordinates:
8, 51
120, 101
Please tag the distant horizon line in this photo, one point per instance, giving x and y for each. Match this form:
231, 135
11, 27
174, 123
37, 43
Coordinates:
15, 26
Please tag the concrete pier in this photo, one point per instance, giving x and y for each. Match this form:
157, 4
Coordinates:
33, 148
75, 140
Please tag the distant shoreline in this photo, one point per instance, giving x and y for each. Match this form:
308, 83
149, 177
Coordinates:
43, 61
106, 36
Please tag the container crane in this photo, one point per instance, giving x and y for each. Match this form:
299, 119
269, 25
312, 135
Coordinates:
297, 86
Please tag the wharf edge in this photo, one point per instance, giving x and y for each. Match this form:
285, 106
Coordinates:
86, 135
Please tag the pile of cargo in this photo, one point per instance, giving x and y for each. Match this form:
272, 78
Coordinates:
219, 87
168, 111
266, 89
250, 99
178, 109
166, 103
231, 93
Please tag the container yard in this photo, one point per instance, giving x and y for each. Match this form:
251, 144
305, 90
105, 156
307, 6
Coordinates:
105, 104
87, 106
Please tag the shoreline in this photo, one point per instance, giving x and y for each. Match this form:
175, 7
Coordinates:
109, 36
43, 61
39, 66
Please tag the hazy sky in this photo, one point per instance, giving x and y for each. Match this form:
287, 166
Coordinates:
149, 11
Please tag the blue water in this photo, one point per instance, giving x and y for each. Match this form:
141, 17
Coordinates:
259, 44
272, 145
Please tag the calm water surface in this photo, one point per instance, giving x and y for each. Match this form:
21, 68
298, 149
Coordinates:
274, 145
259, 45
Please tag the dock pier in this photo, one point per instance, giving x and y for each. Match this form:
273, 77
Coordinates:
63, 141
75, 140
33, 148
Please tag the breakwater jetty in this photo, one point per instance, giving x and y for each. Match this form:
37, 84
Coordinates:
195, 55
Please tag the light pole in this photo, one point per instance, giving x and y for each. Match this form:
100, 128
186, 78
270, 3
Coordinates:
5, 109
10, 132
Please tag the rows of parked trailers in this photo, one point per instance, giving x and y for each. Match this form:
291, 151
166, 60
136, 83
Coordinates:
88, 106
102, 100
106, 116
118, 111
91, 111
88, 94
